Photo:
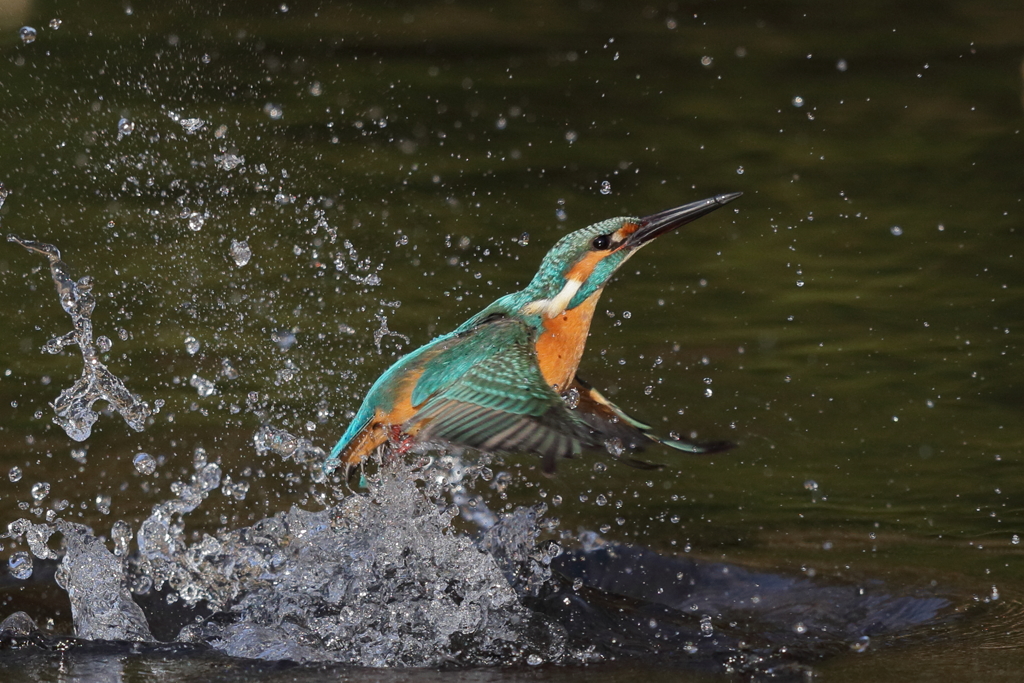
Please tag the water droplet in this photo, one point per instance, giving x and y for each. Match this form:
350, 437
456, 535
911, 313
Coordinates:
896, 230
195, 221
28, 35
861, 644
228, 162
606, 187
524, 239
601, 500
191, 345
274, 111
841, 65
707, 61
501, 123
103, 343
799, 628
1015, 539
799, 283
708, 393
739, 171
798, 101
240, 252
20, 565
191, 126
124, 127
614, 446
571, 136
40, 490
811, 485
15, 475
122, 535
316, 89
204, 387
103, 503
706, 628
145, 463
534, 660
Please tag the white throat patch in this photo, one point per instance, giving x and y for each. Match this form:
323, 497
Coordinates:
550, 308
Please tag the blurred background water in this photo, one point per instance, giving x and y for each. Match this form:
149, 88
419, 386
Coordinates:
276, 201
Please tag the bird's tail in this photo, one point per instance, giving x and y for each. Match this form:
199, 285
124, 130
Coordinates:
613, 427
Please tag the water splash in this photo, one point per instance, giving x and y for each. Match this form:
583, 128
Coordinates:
96, 583
74, 406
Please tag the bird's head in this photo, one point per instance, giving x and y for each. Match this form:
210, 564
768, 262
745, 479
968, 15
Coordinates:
582, 262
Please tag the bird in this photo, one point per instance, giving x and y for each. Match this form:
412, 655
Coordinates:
505, 381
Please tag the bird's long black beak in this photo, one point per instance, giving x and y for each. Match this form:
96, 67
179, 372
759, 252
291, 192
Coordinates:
660, 223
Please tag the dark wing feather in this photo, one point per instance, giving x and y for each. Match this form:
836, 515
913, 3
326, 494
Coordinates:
609, 421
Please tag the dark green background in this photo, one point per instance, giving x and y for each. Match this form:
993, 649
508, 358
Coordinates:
430, 136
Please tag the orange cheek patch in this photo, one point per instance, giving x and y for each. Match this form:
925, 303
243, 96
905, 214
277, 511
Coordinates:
625, 231
585, 266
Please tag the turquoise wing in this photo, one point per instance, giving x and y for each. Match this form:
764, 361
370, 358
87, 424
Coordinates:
486, 391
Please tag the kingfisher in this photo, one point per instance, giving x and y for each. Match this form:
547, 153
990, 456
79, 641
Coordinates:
505, 380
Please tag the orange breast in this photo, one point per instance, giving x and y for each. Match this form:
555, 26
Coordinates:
560, 346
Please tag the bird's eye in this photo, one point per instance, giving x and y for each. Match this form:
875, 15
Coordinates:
601, 242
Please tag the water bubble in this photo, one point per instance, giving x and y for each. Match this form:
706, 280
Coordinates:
4, 194
501, 123
799, 628
896, 230
708, 393
861, 644
40, 490
15, 475
240, 252
524, 239
798, 101
841, 65
55, 24
707, 61
20, 565
811, 485
534, 660
124, 127
799, 283
103, 343
195, 221
28, 35
606, 187
316, 89
739, 170
1015, 539
191, 345
144, 463
614, 446
78, 455
706, 628
571, 136
274, 111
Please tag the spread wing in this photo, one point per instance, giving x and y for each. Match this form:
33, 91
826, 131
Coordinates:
609, 421
486, 391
